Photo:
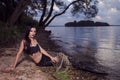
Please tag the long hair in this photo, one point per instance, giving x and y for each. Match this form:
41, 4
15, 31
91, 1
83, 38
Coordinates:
26, 37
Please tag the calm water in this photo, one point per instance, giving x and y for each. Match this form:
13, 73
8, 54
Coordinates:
100, 43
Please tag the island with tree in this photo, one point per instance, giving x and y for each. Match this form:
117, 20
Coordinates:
86, 23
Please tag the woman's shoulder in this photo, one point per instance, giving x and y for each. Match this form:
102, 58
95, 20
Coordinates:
35, 40
23, 41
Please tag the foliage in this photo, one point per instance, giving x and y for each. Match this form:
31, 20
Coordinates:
62, 75
25, 20
89, 8
8, 35
12, 10
6, 8
11, 35
50, 9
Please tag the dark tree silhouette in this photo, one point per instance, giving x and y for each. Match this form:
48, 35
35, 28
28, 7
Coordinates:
12, 9
17, 12
89, 8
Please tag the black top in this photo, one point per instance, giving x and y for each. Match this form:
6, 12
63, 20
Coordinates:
31, 49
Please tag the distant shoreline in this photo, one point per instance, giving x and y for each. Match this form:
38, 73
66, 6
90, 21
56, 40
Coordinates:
86, 23
75, 26
114, 25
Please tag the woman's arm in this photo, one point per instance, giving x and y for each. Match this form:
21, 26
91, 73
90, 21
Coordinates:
44, 52
18, 54
54, 59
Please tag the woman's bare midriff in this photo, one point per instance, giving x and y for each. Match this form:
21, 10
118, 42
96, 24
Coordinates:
36, 57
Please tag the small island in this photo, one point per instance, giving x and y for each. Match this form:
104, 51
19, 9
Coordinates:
86, 23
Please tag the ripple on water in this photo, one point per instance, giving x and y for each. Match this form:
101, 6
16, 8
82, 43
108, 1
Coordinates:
104, 40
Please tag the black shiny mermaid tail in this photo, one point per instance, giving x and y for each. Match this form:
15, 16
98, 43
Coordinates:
45, 61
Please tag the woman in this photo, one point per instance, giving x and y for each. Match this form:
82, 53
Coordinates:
31, 47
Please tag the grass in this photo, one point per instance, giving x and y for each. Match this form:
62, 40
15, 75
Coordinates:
62, 75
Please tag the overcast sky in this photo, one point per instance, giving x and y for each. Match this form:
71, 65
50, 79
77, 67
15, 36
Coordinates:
109, 11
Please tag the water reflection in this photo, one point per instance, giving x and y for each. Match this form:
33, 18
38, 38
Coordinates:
97, 45
108, 51
105, 46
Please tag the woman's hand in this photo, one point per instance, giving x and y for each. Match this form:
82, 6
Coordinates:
10, 68
54, 59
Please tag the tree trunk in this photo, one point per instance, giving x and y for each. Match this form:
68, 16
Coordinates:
50, 13
43, 14
17, 12
8, 8
42, 22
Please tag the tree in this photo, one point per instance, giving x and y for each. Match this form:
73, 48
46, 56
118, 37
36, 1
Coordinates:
17, 12
47, 10
79, 6
14, 8
6, 9
11, 10
89, 8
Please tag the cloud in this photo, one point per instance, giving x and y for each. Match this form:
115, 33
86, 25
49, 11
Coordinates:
56, 8
70, 0
109, 11
98, 17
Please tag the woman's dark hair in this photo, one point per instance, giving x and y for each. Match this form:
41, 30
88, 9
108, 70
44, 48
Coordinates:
27, 34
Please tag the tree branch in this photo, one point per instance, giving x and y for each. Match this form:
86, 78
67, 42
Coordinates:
44, 11
50, 13
61, 12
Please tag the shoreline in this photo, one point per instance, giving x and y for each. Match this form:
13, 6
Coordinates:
27, 68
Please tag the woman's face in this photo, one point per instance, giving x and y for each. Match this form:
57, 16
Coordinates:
32, 32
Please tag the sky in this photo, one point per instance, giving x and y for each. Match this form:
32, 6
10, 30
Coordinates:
109, 11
